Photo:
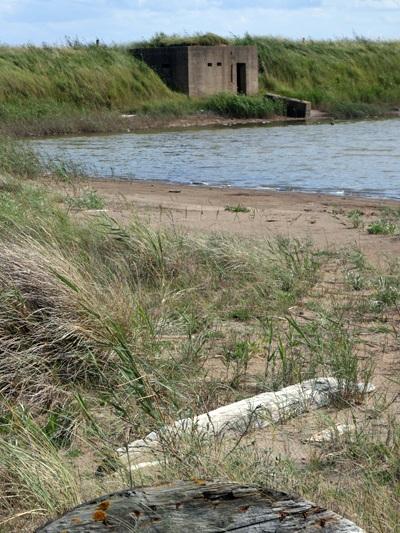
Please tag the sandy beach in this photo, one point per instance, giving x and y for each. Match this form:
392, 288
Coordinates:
322, 218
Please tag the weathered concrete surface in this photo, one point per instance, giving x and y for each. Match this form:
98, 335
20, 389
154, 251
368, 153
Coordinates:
293, 107
202, 506
204, 70
215, 69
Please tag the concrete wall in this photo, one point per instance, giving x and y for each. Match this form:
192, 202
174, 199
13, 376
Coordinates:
292, 107
170, 63
203, 70
249, 56
213, 69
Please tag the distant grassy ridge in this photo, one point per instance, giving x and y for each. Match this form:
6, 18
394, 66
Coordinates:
86, 87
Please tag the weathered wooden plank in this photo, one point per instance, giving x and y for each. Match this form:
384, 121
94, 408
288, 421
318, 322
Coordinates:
210, 507
258, 411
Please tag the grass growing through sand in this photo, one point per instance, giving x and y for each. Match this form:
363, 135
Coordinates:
386, 222
108, 331
237, 209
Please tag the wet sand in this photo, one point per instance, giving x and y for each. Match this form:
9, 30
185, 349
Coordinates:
322, 218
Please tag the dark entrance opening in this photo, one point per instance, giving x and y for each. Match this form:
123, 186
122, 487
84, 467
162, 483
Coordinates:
241, 78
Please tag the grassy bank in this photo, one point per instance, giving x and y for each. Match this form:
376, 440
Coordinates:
79, 88
345, 77
85, 88
348, 78
110, 330
74, 88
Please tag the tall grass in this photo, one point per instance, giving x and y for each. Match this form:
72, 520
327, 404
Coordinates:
350, 78
97, 77
85, 87
198, 39
240, 106
17, 160
31, 473
110, 330
331, 73
72, 86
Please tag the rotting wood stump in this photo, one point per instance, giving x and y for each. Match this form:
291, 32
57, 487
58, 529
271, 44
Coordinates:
200, 506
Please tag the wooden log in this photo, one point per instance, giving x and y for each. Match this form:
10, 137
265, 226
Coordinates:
258, 411
200, 507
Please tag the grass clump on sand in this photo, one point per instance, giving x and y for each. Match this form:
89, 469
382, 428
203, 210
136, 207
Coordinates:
237, 209
89, 199
109, 331
387, 224
383, 227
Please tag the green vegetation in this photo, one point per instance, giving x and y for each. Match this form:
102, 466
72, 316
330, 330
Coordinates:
199, 39
110, 330
240, 106
178, 105
349, 78
15, 160
387, 224
225, 105
382, 227
89, 199
85, 88
237, 209
74, 87
356, 218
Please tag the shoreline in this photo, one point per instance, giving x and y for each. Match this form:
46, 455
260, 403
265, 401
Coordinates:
321, 218
125, 124
118, 124
198, 121
161, 186
246, 191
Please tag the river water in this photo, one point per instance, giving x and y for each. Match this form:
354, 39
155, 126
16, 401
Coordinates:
360, 158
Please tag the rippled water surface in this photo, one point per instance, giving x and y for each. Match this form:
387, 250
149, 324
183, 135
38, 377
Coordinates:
347, 158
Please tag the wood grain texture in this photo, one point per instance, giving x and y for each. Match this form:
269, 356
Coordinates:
255, 412
200, 507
